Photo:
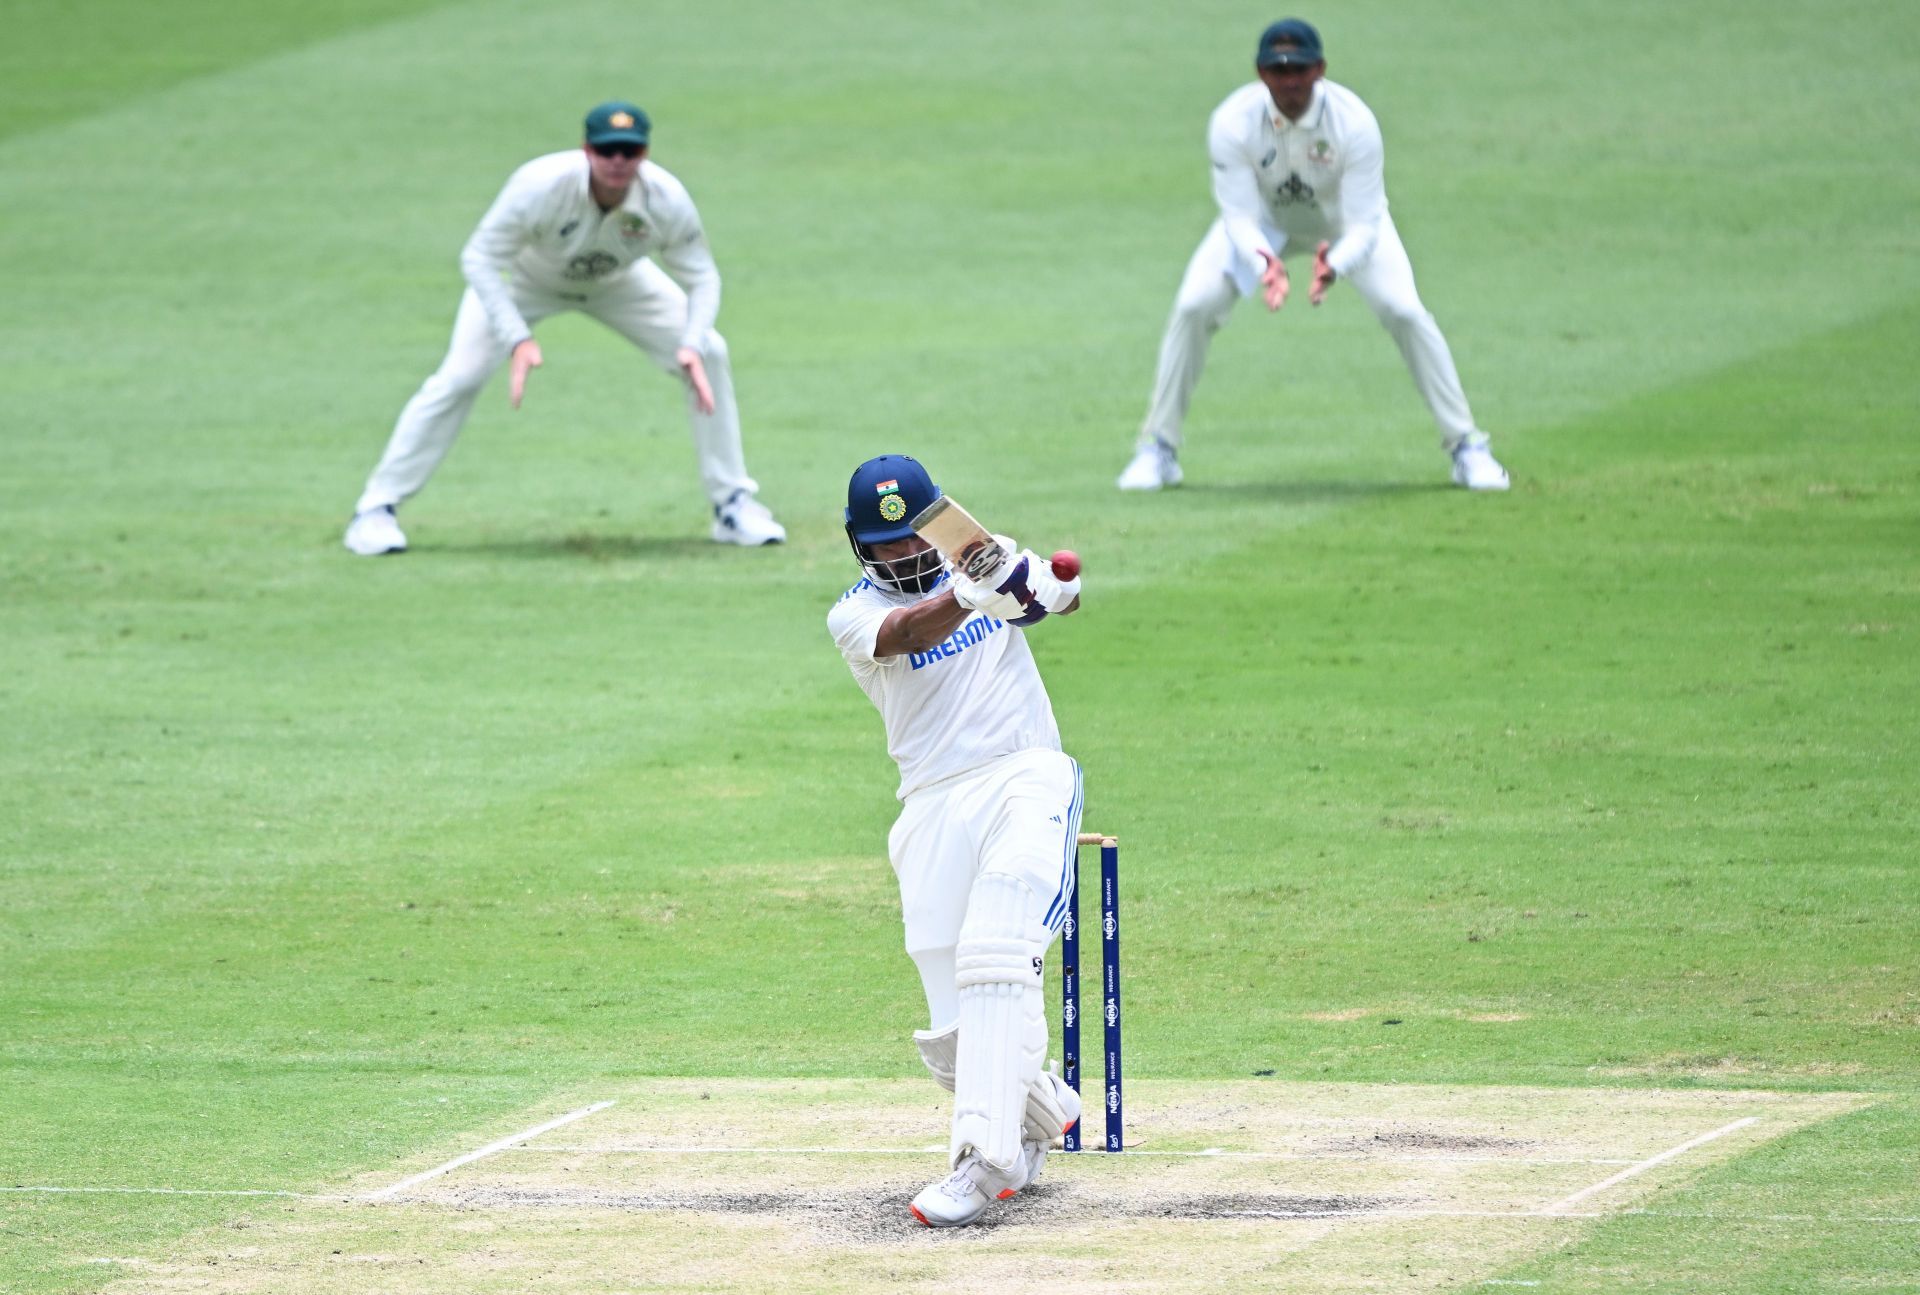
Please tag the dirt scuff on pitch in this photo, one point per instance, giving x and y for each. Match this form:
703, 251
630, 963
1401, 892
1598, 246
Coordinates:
1401, 1140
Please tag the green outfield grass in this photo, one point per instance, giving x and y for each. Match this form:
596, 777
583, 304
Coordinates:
311, 866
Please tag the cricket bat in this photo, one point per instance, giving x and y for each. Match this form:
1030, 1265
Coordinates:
962, 541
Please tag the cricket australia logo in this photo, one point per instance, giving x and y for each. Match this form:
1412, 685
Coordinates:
1321, 154
592, 265
632, 226
1293, 190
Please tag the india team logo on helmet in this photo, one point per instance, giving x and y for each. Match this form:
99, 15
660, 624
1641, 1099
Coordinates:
884, 493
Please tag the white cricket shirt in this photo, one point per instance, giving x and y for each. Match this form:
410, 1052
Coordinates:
960, 704
1281, 182
545, 227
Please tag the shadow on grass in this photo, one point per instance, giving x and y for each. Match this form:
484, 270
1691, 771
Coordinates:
582, 545
1311, 492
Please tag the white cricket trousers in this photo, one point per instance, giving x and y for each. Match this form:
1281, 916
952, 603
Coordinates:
643, 305
1017, 817
1216, 279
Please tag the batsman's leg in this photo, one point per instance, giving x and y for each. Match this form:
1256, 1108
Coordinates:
1051, 1107
1016, 905
1003, 1029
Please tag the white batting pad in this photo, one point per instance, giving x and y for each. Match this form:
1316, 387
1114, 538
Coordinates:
1052, 1108
1003, 1038
1002, 941
938, 1049
1003, 1025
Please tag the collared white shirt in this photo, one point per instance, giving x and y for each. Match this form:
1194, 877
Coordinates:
959, 705
545, 227
1281, 182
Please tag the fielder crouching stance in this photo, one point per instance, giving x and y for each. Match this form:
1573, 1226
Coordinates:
990, 808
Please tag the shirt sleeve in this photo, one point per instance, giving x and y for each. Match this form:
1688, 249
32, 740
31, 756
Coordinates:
502, 232
855, 625
688, 261
1363, 200
1237, 189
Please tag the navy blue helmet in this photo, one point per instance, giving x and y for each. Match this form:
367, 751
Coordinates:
883, 498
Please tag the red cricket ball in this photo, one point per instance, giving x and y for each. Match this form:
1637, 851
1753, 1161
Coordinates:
1065, 564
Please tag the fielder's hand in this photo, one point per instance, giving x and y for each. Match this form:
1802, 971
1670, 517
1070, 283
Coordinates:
694, 370
1273, 282
1323, 276
526, 358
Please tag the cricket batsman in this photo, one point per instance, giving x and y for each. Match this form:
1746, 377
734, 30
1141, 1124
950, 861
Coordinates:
990, 811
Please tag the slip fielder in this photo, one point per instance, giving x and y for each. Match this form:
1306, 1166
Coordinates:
580, 230
1297, 169
988, 826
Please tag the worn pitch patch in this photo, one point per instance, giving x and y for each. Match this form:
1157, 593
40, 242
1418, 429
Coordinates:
802, 1185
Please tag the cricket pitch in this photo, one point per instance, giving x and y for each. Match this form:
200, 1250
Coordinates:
802, 1186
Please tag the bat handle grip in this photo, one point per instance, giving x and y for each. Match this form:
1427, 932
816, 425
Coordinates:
984, 561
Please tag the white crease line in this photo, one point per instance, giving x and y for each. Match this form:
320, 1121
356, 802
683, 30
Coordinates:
1647, 1164
387, 1192
1211, 1153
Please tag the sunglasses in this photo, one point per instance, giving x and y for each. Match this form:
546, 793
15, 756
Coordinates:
617, 150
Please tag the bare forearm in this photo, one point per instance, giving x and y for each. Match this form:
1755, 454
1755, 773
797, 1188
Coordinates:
919, 627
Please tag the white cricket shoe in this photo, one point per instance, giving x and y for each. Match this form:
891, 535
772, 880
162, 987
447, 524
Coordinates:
963, 1195
1033, 1156
1476, 469
745, 520
1154, 466
374, 532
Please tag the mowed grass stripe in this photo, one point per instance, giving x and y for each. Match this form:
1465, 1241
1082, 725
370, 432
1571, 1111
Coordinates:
722, 816
197, 412
1827, 1208
66, 66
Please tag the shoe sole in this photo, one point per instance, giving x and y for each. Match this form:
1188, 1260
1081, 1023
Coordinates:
1006, 1194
